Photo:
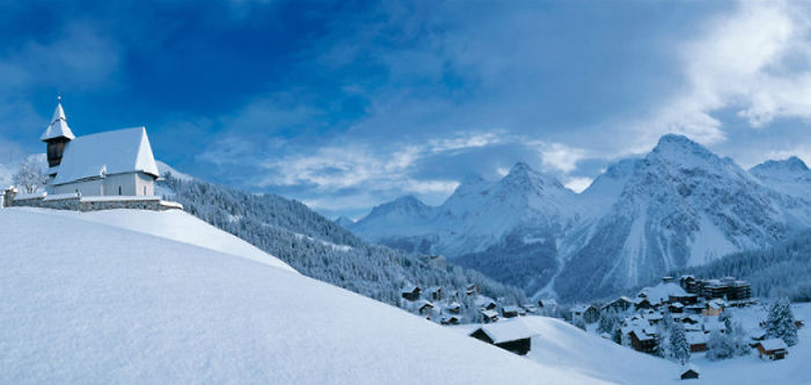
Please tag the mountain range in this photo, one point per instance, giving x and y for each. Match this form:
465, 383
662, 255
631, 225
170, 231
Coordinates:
679, 206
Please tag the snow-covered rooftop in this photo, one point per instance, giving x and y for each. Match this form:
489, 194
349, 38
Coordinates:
58, 127
107, 153
662, 292
773, 344
506, 331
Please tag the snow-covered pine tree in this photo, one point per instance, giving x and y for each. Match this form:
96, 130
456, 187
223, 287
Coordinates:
679, 347
780, 322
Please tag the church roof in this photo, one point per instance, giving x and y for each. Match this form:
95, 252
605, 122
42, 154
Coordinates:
58, 127
107, 153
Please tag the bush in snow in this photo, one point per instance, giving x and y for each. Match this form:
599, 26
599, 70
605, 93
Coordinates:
29, 177
780, 322
733, 343
720, 346
679, 348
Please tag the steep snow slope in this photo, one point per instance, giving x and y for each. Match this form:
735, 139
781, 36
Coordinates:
175, 225
681, 206
110, 305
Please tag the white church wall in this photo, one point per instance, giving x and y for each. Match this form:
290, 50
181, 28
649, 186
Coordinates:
144, 184
92, 187
127, 184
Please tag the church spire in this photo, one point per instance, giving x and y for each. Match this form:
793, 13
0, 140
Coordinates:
59, 125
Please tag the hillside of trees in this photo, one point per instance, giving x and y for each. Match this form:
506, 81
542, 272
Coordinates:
321, 249
783, 270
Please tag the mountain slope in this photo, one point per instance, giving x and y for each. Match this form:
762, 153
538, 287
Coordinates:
780, 270
319, 248
505, 229
681, 206
102, 310
790, 176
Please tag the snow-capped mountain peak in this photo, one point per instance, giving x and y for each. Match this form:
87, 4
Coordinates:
790, 176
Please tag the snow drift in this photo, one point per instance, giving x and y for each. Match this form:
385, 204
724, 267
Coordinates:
88, 302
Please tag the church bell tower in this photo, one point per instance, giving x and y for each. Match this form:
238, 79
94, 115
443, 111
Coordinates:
57, 135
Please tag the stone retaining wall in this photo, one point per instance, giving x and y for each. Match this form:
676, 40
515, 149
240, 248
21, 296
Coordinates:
79, 204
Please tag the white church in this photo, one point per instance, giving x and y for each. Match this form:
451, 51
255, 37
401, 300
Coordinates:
109, 163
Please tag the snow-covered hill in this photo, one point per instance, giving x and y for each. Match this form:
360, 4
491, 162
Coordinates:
88, 302
681, 205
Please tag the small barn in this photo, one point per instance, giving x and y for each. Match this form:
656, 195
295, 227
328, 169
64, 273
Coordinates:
454, 308
411, 292
691, 373
773, 349
513, 336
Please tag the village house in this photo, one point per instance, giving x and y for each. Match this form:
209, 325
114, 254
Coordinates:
411, 292
713, 308
435, 293
511, 311
619, 305
112, 163
587, 313
489, 316
697, 341
643, 340
772, 349
513, 336
452, 320
425, 307
454, 308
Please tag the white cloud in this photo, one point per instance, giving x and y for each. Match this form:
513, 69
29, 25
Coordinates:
578, 184
754, 61
561, 156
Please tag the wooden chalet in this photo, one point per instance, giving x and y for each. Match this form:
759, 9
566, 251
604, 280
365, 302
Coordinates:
773, 349
642, 341
619, 305
411, 293
435, 293
489, 316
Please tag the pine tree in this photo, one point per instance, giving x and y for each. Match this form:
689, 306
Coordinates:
679, 347
780, 322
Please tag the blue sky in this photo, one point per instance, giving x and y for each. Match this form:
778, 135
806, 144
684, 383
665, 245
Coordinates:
348, 104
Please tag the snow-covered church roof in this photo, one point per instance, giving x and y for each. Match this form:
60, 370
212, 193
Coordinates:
107, 153
58, 127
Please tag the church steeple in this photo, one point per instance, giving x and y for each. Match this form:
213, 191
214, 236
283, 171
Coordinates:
59, 125
57, 135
